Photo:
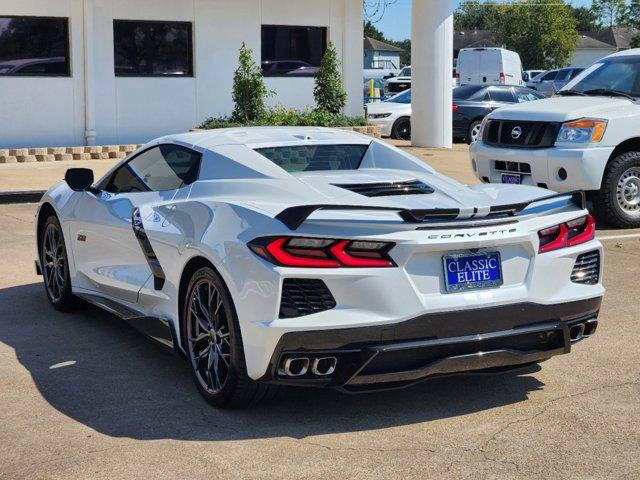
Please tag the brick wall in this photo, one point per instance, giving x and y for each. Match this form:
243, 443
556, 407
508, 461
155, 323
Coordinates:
57, 154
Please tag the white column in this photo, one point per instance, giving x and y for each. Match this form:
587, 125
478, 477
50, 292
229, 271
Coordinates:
431, 73
89, 74
353, 57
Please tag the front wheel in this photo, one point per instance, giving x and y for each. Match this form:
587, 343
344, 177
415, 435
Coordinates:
474, 132
618, 200
55, 266
402, 129
212, 336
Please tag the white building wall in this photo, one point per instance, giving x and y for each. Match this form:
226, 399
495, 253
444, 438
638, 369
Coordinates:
50, 111
39, 111
585, 58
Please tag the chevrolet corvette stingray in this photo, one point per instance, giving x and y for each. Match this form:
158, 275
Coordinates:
322, 258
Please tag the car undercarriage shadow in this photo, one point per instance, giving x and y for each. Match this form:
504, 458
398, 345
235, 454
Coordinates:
97, 370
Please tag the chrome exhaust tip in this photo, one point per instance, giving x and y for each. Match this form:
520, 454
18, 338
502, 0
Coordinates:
294, 367
324, 366
576, 332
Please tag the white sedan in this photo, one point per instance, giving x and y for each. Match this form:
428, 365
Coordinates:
318, 257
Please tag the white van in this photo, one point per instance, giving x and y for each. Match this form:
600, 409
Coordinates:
495, 66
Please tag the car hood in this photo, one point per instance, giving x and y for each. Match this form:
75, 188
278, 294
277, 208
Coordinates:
399, 79
562, 109
389, 107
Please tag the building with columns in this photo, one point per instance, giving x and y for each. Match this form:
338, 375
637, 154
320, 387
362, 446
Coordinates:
84, 72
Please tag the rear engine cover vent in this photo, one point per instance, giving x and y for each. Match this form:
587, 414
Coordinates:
384, 189
587, 268
304, 296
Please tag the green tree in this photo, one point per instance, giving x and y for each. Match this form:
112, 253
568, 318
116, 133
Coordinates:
631, 16
609, 12
587, 19
370, 30
328, 91
635, 42
405, 55
249, 90
476, 15
543, 33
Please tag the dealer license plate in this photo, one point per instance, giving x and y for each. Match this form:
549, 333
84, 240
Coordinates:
470, 271
513, 178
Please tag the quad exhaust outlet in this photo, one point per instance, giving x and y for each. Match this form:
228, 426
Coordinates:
299, 366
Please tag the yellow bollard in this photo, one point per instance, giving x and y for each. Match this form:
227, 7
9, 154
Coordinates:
372, 90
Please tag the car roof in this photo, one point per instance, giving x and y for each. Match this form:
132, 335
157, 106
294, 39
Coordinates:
624, 53
256, 136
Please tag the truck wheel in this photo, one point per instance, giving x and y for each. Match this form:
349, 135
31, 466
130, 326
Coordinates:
618, 200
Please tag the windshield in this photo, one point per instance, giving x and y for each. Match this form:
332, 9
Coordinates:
621, 74
405, 72
402, 97
307, 158
467, 91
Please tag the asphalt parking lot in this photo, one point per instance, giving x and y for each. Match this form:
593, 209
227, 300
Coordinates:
85, 396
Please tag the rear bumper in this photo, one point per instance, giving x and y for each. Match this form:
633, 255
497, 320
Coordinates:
373, 358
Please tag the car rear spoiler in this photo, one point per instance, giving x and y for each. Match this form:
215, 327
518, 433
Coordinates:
293, 217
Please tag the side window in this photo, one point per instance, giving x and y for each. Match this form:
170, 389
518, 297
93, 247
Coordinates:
165, 167
501, 95
575, 73
550, 76
525, 96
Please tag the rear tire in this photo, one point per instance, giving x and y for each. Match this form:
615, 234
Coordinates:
55, 266
401, 129
211, 336
618, 200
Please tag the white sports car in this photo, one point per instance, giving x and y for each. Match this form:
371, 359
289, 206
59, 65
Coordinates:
318, 257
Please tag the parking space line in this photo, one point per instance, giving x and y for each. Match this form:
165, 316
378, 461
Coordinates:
618, 237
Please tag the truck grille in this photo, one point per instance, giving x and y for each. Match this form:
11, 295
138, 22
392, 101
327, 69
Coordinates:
304, 296
397, 87
515, 134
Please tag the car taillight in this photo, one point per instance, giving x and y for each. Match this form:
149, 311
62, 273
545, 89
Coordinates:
454, 108
322, 252
567, 234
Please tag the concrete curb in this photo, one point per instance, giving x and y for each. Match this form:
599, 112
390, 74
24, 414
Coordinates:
32, 196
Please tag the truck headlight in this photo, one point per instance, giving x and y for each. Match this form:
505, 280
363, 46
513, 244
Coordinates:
485, 120
379, 115
585, 130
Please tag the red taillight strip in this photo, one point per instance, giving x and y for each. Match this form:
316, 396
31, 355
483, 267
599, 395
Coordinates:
558, 242
338, 251
588, 234
276, 250
562, 239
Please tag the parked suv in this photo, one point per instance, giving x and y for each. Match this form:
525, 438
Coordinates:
587, 137
552, 81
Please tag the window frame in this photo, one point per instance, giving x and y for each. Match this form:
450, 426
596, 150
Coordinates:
67, 32
325, 41
106, 181
191, 56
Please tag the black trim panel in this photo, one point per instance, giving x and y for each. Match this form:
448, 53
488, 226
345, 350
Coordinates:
354, 344
293, 217
147, 249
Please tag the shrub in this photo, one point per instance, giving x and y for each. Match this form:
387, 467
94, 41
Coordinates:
287, 117
249, 90
328, 91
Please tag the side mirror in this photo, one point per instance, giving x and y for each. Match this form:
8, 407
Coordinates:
79, 179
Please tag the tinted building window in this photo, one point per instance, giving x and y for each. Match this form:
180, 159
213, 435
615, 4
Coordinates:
292, 51
144, 48
34, 46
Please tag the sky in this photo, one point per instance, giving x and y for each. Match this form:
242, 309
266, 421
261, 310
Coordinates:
396, 23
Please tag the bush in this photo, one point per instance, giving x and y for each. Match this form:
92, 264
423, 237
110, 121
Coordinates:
328, 91
287, 117
249, 90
